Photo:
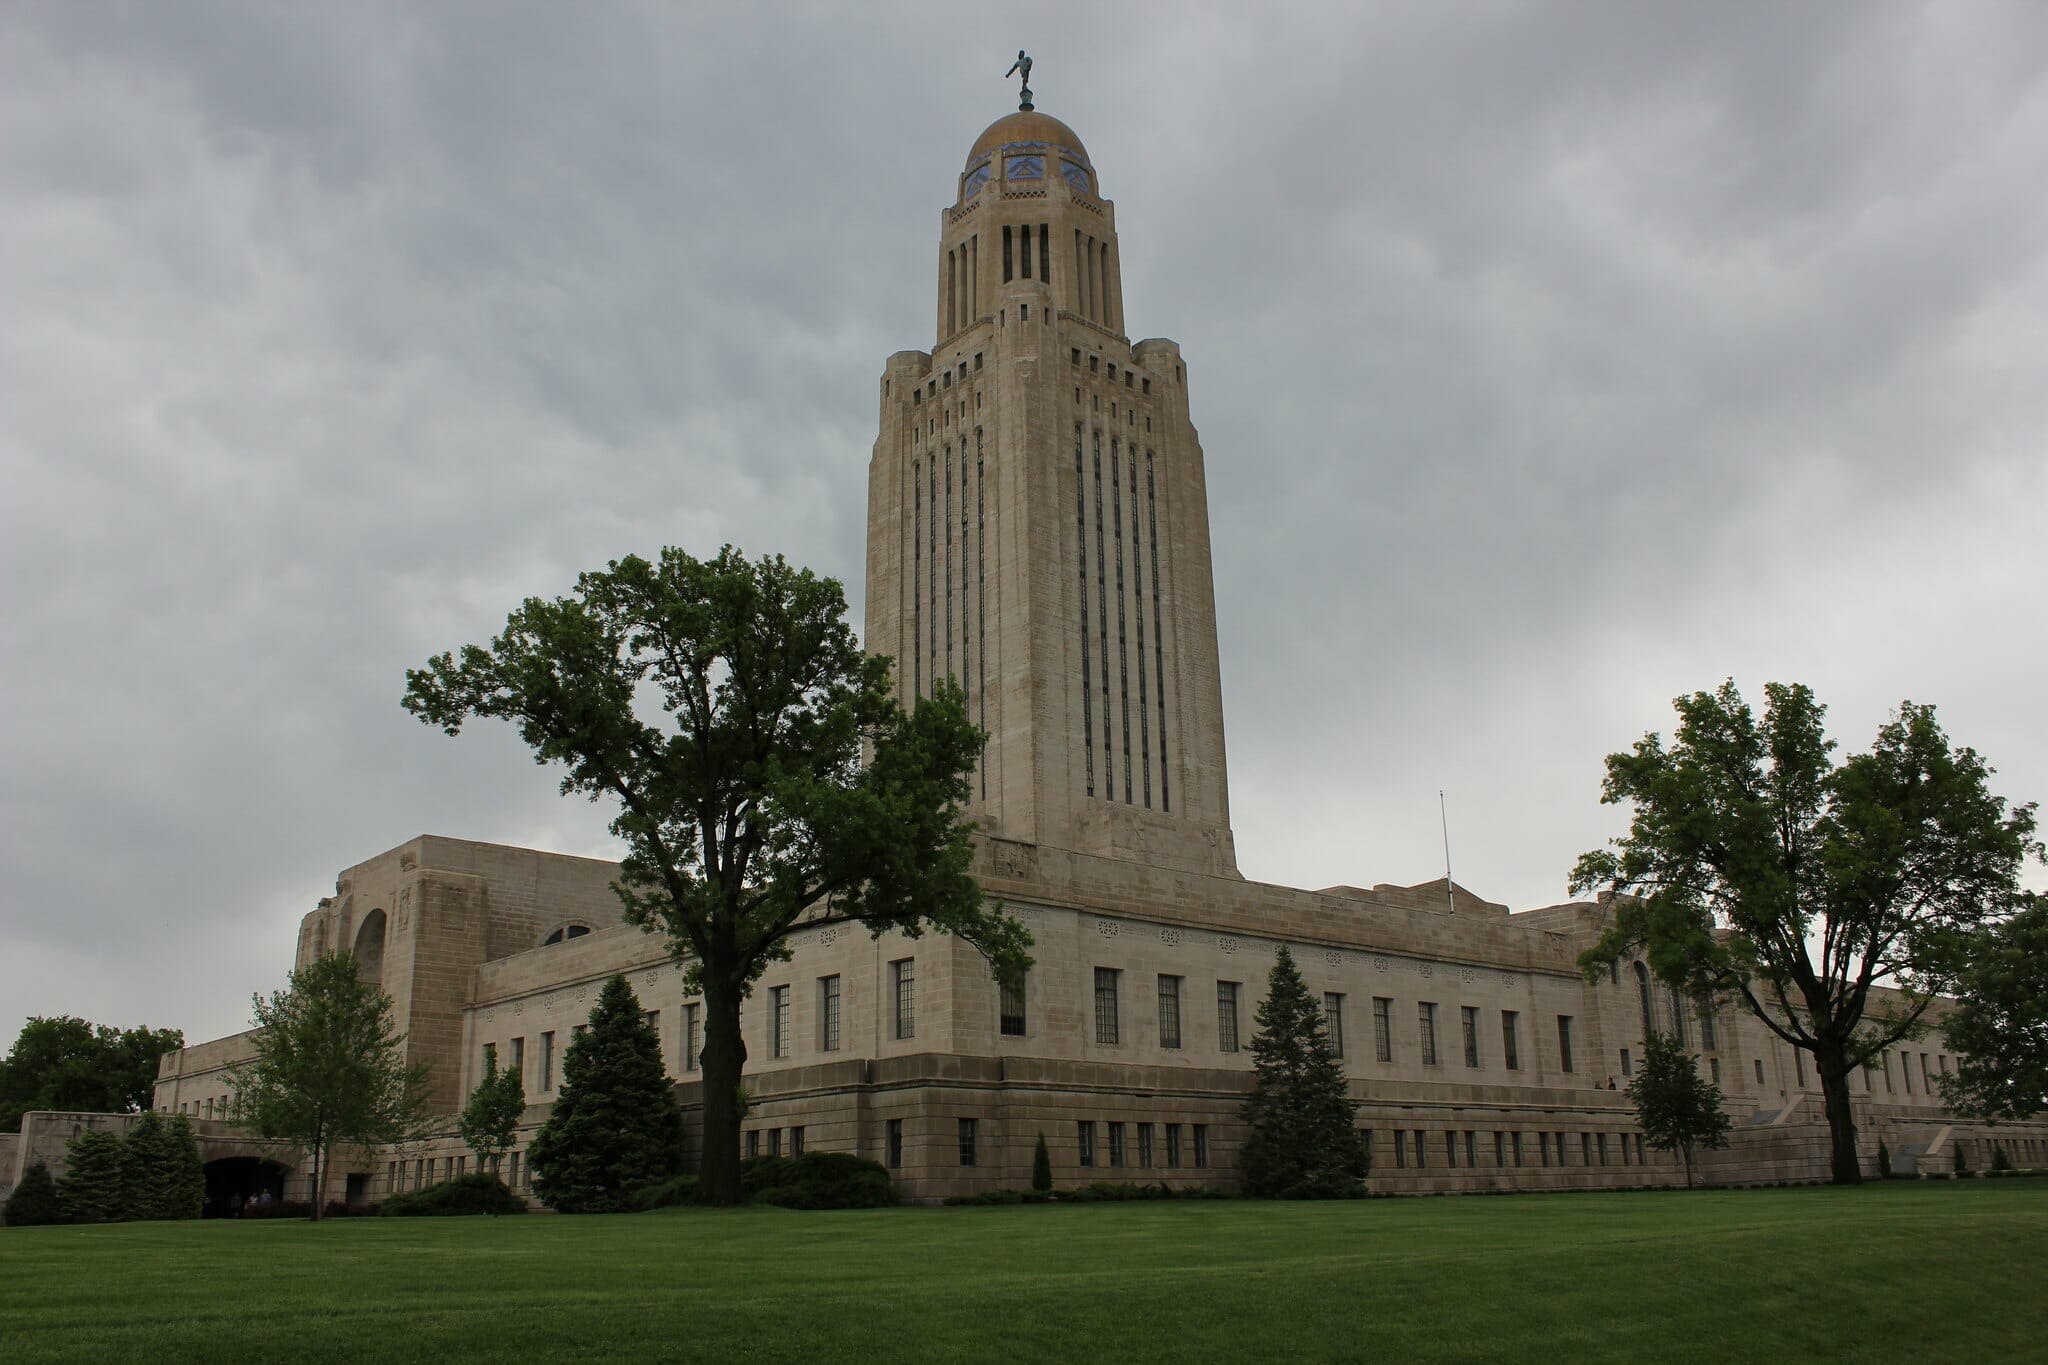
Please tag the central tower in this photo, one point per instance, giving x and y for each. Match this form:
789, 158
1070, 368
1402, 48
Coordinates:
1038, 523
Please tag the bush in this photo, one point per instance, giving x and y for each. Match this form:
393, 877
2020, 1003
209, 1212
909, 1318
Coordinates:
668, 1194
2000, 1162
465, 1194
1884, 1161
817, 1180
1041, 1167
34, 1202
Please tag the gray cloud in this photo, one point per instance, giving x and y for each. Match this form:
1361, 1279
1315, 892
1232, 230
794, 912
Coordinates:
1551, 360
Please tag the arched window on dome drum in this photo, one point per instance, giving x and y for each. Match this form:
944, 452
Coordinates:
1643, 998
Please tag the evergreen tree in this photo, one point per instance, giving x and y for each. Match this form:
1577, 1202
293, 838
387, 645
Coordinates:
615, 1126
492, 1116
1302, 1144
92, 1190
178, 1184
1041, 1166
1677, 1108
148, 1190
34, 1201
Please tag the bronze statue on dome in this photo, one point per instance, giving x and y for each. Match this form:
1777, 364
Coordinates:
1023, 65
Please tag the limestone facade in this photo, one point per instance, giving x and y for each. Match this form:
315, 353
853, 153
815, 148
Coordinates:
1039, 533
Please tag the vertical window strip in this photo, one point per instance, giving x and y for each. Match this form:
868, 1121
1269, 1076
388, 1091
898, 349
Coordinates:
1087, 672
931, 587
1158, 629
1045, 252
1138, 590
916, 579
1102, 626
947, 456
1123, 649
981, 595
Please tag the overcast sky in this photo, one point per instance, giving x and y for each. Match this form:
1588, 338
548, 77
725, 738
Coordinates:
1551, 360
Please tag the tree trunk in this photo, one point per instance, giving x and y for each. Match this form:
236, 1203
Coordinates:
1846, 1167
319, 1174
1688, 1165
725, 1060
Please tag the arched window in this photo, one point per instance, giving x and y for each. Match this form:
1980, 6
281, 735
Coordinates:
370, 946
1643, 997
567, 931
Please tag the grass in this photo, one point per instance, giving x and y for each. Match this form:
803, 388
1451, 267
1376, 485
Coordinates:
1882, 1273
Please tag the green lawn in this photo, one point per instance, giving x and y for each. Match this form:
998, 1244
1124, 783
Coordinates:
1883, 1273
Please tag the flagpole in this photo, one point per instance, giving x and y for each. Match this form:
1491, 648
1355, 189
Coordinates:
1443, 813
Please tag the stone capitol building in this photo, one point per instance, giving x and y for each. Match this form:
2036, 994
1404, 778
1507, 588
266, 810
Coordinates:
1038, 531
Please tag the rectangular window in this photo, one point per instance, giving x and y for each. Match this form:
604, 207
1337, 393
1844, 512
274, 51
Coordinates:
1471, 1148
1564, 1042
1469, 1017
1627, 1068
1421, 1151
778, 1021
1085, 1137
828, 1013
514, 1182
1510, 1041
490, 1058
1585, 1149
1926, 1077
1169, 1013
1145, 1145
895, 1144
1226, 1016
1451, 1150
690, 1047
1105, 1004
653, 1018
1333, 1021
518, 1065
1543, 1146
547, 1061
1202, 1144
904, 973
775, 1142
1365, 1150
1799, 1067
1383, 1028
1500, 1148
753, 1142
1515, 1146
1760, 1074
1012, 1008
1602, 1139
1401, 1148
796, 1141
1709, 1032
1884, 1060
1116, 1144
1426, 1023
967, 1141
1714, 1072
1173, 1145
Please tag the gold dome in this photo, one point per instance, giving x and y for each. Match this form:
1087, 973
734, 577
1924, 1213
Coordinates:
1026, 126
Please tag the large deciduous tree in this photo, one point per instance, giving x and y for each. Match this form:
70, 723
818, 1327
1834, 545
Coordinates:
1301, 1143
1757, 869
760, 766
1678, 1109
64, 1063
615, 1126
2000, 1027
329, 1068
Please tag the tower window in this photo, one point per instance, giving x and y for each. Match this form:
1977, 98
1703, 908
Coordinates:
1148, 389
1075, 355
977, 364
1095, 363
1023, 312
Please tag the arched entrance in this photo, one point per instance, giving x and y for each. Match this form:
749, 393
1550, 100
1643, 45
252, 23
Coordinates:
233, 1182
370, 946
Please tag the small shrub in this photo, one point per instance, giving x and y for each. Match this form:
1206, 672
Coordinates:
1041, 1166
2000, 1162
667, 1194
817, 1180
1884, 1161
34, 1202
481, 1193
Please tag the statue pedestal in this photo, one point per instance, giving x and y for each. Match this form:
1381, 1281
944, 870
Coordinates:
1024, 99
